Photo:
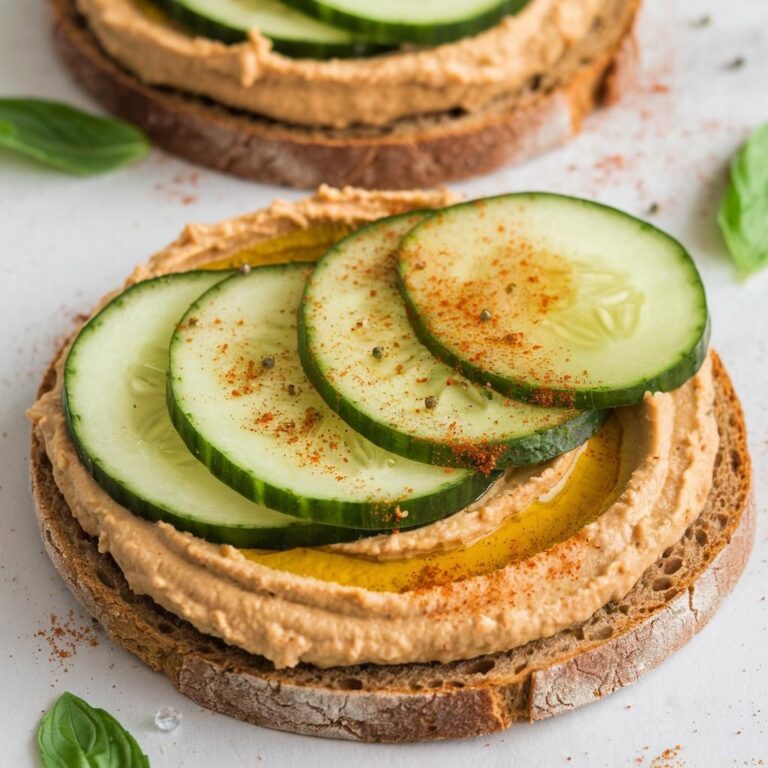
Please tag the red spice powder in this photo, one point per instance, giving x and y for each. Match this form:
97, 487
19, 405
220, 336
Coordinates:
311, 417
484, 458
182, 187
65, 637
668, 758
553, 399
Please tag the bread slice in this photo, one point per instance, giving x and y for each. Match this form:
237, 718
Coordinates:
417, 152
672, 601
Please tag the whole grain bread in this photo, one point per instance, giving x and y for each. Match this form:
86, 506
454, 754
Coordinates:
672, 601
417, 152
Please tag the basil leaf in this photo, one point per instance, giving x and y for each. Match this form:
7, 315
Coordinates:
73, 734
68, 139
743, 215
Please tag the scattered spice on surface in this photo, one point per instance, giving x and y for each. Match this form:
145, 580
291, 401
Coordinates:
65, 637
736, 63
268, 362
377, 352
611, 162
182, 187
430, 402
485, 316
668, 758
652, 209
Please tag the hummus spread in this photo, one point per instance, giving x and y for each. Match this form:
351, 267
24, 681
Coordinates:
666, 456
513, 493
467, 75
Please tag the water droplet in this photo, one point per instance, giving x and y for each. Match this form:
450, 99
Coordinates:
167, 718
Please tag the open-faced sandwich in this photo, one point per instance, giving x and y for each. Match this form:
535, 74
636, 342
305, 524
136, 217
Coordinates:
477, 465
394, 94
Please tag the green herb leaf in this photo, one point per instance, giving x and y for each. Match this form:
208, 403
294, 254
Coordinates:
68, 139
75, 735
743, 215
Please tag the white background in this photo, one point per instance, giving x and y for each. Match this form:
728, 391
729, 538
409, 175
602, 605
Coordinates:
65, 241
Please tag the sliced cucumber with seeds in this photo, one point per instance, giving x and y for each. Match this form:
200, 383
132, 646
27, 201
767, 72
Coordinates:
359, 350
114, 397
241, 401
555, 300
291, 32
427, 22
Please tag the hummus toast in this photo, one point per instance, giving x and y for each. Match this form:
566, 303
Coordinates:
397, 120
597, 561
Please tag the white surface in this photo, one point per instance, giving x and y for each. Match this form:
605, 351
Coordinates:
66, 241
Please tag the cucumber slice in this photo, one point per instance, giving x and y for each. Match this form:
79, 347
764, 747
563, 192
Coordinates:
427, 22
114, 397
555, 300
241, 402
291, 32
358, 349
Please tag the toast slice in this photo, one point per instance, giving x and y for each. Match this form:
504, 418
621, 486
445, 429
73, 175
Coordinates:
672, 601
413, 152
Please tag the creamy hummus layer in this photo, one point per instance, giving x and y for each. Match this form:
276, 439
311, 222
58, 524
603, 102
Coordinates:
467, 75
291, 224
668, 449
513, 493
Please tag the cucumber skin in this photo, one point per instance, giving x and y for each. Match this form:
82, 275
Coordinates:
396, 33
299, 49
268, 538
299, 535
586, 399
360, 516
538, 447
357, 517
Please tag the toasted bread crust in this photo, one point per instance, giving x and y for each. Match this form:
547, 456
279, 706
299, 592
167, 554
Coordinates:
411, 153
673, 600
